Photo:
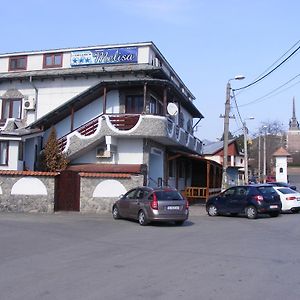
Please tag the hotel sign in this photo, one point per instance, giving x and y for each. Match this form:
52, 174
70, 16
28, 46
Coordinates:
104, 56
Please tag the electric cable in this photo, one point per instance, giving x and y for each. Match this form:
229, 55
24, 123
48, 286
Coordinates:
263, 77
273, 91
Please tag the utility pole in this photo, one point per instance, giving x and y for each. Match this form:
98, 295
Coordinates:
225, 136
226, 131
245, 154
259, 158
265, 159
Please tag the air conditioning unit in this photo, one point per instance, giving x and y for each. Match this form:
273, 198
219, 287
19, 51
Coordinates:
103, 153
29, 103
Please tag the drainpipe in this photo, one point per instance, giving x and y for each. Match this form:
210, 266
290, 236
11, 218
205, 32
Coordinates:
36, 96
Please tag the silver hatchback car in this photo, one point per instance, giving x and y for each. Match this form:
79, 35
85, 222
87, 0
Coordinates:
147, 204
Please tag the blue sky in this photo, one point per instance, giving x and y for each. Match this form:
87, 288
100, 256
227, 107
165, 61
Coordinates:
206, 42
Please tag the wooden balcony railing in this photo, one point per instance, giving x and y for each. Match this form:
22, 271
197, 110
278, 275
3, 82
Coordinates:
124, 122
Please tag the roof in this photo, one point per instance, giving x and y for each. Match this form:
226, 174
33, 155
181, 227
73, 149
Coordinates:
89, 95
210, 148
108, 168
281, 152
28, 173
105, 175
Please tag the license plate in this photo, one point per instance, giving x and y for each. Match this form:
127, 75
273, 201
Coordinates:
173, 207
273, 206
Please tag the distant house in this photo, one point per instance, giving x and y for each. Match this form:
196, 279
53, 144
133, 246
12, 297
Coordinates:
235, 160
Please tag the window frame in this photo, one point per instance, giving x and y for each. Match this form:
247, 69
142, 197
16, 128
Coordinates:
15, 58
7, 151
53, 65
132, 100
10, 100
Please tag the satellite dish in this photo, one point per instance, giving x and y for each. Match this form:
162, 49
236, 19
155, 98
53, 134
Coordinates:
172, 109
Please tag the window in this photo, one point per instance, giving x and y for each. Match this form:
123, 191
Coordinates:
280, 170
4, 153
11, 108
134, 104
17, 63
21, 151
155, 107
52, 60
131, 194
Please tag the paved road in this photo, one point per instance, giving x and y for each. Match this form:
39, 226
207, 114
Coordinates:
74, 256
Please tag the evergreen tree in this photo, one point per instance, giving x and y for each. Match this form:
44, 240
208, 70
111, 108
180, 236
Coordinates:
52, 159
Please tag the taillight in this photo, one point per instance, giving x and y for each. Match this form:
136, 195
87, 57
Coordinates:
291, 198
258, 198
186, 203
154, 202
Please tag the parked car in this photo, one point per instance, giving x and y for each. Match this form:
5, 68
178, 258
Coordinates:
147, 204
250, 200
283, 184
290, 198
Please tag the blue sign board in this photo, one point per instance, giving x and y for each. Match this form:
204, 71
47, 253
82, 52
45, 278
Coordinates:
104, 56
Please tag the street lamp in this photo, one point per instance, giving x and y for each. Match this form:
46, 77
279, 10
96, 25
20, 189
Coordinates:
245, 129
226, 130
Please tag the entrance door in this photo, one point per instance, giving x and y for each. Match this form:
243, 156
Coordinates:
156, 165
67, 191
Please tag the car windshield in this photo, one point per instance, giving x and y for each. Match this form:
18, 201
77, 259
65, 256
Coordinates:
266, 190
286, 191
168, 195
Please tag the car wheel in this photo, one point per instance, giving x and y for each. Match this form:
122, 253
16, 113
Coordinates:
212, 210
115, 213
251, 212
179, 223
142, 218
274, 214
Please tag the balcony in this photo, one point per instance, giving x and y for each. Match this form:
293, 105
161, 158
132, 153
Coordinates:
157, 128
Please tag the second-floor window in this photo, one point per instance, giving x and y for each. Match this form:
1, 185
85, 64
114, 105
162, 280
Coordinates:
52, 60
134, 104
11, 108
3, 153
17, 63
155, 107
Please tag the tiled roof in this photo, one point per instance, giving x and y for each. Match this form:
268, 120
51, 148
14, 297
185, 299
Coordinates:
281, 152
105, 175
107, 168
27, 173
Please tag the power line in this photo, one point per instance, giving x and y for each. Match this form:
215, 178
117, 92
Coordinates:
263, 77
273, 91
277, 60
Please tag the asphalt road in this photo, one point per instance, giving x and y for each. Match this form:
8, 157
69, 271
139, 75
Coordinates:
74, 256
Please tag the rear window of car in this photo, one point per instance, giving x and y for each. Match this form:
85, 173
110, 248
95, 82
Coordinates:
168, 195
266, 190
286, 191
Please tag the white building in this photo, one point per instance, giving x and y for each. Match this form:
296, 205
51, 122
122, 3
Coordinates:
110, 106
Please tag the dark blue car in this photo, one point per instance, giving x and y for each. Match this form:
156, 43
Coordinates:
250, 200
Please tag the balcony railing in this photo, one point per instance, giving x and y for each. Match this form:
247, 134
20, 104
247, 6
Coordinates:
124, 122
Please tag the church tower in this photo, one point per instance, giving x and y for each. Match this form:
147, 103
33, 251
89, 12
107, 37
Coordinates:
293, 135
294, 124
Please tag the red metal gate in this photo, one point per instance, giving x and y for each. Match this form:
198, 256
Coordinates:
67, 191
